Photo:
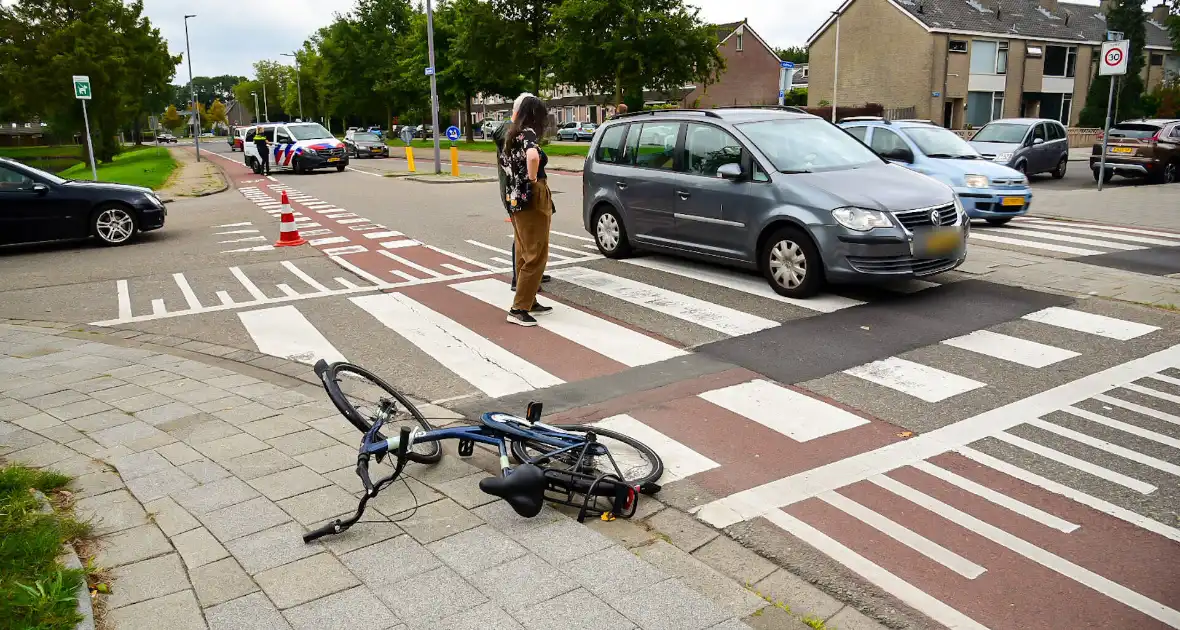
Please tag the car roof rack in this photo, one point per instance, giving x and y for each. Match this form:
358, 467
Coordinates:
865, 119
787, 108
652, 112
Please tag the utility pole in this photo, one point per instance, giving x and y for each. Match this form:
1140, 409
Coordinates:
188, 53
256, 112
433, 85
298, 86
836, 69
265, 110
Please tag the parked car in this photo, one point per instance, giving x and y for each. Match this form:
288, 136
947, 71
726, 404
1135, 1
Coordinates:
1029, 145
39, 206
783, 192
489, 127
376, 131
358, 143
576, 131
300, 147
424, 131
1141, 148
238, 137
987, 190
167, 137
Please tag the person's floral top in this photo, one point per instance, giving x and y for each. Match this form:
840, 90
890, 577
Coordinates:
513, 160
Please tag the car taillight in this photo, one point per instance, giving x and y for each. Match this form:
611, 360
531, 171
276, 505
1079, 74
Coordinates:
1156, 136
1100, 136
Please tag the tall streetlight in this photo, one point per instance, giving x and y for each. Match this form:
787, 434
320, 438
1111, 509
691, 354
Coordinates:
433, 85
298, 87
188, 53
256, 112
836, 71
265, 110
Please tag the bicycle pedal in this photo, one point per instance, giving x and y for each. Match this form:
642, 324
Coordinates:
466, 447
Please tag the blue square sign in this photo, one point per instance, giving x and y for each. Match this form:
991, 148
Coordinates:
787, 64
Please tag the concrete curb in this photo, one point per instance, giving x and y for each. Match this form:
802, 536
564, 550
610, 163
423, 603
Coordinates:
71, 561
224, 187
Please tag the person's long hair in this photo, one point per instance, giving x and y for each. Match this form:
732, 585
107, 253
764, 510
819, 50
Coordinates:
532, 115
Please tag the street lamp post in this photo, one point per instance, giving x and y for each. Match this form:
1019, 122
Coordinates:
433, 85
188, 53
265, 109
836, 70
298, 86
256, 112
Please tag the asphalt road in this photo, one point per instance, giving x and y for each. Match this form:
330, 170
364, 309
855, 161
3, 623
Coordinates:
954, 451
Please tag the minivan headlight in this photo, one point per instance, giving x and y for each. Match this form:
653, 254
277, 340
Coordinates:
861, 219
1004, 157
976, 181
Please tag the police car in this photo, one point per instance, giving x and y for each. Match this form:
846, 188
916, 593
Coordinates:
299, 147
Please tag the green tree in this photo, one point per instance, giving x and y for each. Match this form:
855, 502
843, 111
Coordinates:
797, 54
479, 51
171, 119
44, 42
530, 29
1126, 16
361, 67
626, 45
215, 114
1174, 24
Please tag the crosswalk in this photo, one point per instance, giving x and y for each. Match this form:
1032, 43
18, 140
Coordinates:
1046, 237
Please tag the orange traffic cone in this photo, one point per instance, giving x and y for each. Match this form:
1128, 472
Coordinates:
288, 231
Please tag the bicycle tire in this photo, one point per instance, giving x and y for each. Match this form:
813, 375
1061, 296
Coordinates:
521, 454
431, 451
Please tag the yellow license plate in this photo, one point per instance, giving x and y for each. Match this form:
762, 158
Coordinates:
1012, 201
935, 242
1122, 150
333, 159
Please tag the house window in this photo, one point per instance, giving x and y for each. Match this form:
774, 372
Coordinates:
1058, 107
984, 107
958, 45
1061, 61
1033, 51
739, 42
1066, 109
989, 57
1157, 59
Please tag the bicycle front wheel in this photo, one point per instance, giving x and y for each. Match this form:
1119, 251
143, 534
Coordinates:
359, 394
635, 461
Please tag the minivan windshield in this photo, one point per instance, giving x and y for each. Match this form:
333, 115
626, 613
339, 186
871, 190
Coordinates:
937, 142
806, 145
1006, 133
309, 131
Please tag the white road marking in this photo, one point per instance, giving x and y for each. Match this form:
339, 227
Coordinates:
1108, 228
124, 299
1105, 233
283, 331
1064, 249
343, 251
999, 498
364, 172
379, 235
605, 337
679, 460
1090, 323
1076, 462
1016, 472
287, 290
248, 284
347, 284
1051, 236
765, 402
690, 309
411, 264
1164, 378
490, 247
746, 283
591, 247
403, 275
320, 232
186, 291
348, 221
328, 241
571, 250
236, 232
1123, 426
405, 242
225, 298
1044, 558
921, 381
345, 215
474, 263
490, 368
302, 275
158, 307
904, 535
1140, 409
1103, 445
359, 272
502, 261
574, 236
260, 248
229, 225
768, 497
244, 240
1013, 349
915, 597
455, 268
1154, 393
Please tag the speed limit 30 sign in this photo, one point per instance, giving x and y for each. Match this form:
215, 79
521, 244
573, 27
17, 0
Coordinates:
1114, 57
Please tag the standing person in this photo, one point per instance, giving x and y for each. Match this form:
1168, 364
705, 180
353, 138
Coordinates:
530, 204
263, 152
498, 138
619, 111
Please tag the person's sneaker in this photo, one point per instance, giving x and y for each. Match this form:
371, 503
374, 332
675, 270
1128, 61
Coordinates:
521, 318
539, 309
546, 278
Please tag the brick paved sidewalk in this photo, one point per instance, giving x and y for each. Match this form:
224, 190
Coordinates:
202, 473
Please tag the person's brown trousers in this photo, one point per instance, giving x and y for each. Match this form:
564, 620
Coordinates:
530, 227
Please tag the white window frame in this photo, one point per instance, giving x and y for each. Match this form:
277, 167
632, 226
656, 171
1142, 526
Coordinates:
1066, 112
951, 48
1000, 97
1034, 51
1001, 52
1070, 51
738, 44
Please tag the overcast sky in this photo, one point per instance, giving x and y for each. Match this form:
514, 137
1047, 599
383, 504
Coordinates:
227, 39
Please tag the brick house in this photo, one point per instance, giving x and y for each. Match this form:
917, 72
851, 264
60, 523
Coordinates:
965, 62
751, 75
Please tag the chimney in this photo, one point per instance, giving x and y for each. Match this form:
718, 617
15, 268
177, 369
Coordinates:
1049, 5
1160, 14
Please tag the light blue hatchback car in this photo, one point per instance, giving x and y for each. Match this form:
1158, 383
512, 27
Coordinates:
987, 190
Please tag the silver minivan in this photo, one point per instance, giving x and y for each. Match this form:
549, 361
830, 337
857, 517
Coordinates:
786, 193
1029, 145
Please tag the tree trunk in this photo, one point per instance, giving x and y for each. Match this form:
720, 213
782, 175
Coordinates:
470, 125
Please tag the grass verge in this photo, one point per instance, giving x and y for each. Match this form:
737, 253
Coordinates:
149, 167
36, 591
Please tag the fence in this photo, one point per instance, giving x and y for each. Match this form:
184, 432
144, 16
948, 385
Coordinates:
1079, 137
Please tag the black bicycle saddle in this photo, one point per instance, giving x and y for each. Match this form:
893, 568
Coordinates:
523, 489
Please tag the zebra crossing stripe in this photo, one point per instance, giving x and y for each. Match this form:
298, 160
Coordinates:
1074, 251
1108, 228
763, 402
283, 331
1123, 426
490, 368
605, 337
1076, 462
1081, 321
1064, 238
1105, 233
1103, 445
1013, 349
917, 380
998, 498
679, 460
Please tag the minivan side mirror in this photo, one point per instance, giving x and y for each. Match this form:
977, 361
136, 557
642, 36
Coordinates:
1037, 141
901, 154
732, 171
40, 189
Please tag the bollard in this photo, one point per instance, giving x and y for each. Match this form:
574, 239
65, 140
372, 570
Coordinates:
454, 161
410, 157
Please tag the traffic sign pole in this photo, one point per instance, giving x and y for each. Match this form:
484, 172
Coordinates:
433, 87
89, 141
1105, 136
1115, 56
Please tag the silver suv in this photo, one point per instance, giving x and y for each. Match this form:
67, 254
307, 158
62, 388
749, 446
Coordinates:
786, 193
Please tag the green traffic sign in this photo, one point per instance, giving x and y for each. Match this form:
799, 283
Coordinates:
82, 87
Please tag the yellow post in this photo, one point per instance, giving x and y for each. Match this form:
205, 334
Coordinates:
410, 157
454, 161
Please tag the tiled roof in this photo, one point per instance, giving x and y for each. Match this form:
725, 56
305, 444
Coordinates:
1023, 18
723, 30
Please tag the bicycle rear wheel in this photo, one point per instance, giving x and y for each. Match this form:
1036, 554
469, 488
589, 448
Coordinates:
637, 462
359, 394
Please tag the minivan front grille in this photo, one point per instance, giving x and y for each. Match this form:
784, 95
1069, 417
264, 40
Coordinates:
900, 265
338, 152
924, 217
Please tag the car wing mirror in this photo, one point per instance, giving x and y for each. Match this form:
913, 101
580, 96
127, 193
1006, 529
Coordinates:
1037, 141
40, 189
900, 154
731, 171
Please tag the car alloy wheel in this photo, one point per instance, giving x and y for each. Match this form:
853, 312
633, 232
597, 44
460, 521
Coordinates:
114, 225
788, 264
1171, 173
